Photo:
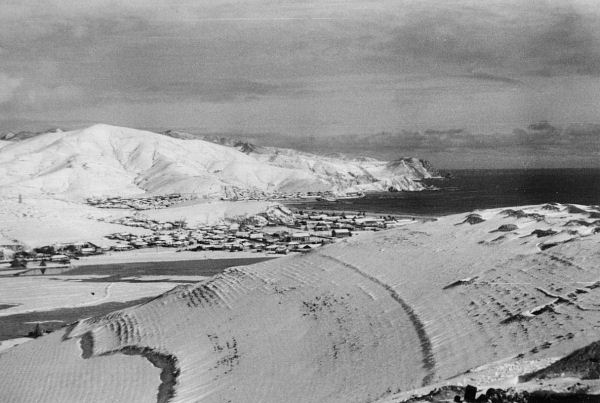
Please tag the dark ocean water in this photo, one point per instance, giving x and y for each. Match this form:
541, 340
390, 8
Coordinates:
469, 190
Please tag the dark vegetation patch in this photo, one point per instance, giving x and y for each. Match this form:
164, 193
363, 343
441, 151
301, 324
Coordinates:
550, 207
522, 214
519, 317
506, 228
6, 306
583, 363
574, 223
229, 354
540, 233
473, 219
19, 325
575, 210
453, 393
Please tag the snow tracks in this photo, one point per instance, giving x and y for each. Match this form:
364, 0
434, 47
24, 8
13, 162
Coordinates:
425, 342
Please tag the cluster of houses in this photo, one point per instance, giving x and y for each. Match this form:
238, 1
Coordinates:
309, 230
236, 194
138, 203
229, 193
56, 255
305, 231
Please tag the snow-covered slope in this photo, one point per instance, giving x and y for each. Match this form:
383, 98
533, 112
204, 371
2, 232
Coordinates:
352, 322
108, 160
39, 221
345, 173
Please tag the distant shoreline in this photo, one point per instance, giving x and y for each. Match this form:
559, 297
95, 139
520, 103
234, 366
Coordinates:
421, 217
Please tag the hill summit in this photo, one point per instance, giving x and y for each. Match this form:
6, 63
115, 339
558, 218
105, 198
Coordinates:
106, 160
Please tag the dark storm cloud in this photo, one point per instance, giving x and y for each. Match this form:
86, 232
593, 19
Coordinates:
569, 44
322, 68
537, 138
480, 75
542, 39
218, 90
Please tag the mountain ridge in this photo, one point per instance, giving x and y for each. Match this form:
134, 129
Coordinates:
109, 160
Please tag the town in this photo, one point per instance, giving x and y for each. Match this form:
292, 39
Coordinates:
277, 231
229, 194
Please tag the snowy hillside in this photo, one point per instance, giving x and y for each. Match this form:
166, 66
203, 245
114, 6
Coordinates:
365, 174
106, 160
352, 322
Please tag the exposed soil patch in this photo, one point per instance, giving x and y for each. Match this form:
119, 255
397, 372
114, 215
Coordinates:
167, 363
206, 267
19, 325
583, 363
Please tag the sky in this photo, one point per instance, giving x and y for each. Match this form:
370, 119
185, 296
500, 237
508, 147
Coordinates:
484, 71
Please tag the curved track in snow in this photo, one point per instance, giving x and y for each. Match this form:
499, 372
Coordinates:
425, 342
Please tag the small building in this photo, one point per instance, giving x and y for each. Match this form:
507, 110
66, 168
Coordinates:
299, 237
341, 233
122, 247
322, 227
88, 251
370, 222
59, 258
139, 244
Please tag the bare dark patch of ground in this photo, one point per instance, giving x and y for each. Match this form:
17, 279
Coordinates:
19, 325
167, 363
205, 267
583, 363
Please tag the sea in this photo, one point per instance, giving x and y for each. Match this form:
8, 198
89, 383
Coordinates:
468, 190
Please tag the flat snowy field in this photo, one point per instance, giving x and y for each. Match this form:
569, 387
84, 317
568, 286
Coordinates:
356, 321
39, 221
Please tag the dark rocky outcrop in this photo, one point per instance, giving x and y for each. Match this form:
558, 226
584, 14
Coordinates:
473, 219
507, 228
540, 233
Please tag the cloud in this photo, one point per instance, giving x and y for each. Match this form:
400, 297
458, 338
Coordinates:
8, 87
540, 138
538, 38
480, 75
568, 45
219, 90
17, 95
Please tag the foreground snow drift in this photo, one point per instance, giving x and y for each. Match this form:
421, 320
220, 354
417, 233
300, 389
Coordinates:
356, 321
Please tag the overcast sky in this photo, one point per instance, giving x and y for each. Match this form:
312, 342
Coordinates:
305, 68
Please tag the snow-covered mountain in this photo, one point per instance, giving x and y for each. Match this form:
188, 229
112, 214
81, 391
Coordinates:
107, 160
344, 173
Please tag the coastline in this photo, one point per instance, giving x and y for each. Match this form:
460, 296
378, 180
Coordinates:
401, 216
